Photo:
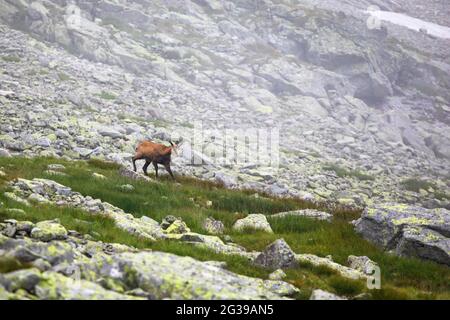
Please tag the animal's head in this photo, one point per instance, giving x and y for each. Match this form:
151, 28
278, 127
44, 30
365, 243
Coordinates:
176, 146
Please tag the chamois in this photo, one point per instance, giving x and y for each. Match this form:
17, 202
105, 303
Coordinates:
155, 153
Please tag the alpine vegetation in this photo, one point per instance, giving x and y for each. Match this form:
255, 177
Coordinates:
314, 162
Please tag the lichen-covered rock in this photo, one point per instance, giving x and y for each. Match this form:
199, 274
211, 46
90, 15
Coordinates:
167, 221
165, 275
4, 295
255, 221
277, 255
23, 279
177, 227
310, 213
62, 195
324, 295
14, 197
26, 251
319, 261
408, 230
48, 231
213, 226
280, 287
277, 275
55, 286
362, 263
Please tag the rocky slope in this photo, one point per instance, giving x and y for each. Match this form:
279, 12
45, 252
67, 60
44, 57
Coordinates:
89, 78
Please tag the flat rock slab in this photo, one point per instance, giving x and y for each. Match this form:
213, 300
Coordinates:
309, 213
408, 230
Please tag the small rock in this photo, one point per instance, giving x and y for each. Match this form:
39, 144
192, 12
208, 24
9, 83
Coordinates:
98, 176
213, 226
178, 227
56, 167
280, 287
41, 264
363, 264
4, 153
167, 221
324, 295
253, 221
49, 230
277, 275
127, 188
34, 197
276, 255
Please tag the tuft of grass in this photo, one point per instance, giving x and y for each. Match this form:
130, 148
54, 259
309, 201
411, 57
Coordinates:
346, 287
415, 184
107, 95
342, 172
10, 264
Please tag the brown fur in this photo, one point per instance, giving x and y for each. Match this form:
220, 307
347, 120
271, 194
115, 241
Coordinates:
155, 153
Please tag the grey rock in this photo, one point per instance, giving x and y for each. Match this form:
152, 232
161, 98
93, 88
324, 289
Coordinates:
363, 264
226, 180
48, 230
408, 230
4, 153
310, 213
213, 226
324, 295
277, 255
253, 221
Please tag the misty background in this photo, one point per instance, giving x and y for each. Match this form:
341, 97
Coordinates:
359, 90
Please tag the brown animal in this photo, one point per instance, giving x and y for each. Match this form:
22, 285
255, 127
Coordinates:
155, 153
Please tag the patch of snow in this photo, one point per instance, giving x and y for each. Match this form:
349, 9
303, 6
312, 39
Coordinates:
411, 23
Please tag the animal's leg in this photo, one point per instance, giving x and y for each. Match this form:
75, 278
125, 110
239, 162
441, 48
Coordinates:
156, 168
167, 166
134, 161
144, 168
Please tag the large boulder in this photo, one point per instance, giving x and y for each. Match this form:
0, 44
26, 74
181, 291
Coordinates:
408, 230
165, 275
276, 255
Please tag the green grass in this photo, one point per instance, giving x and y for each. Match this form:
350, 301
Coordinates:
11, 58
107, 95
401, 277
416, 184
342, 172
